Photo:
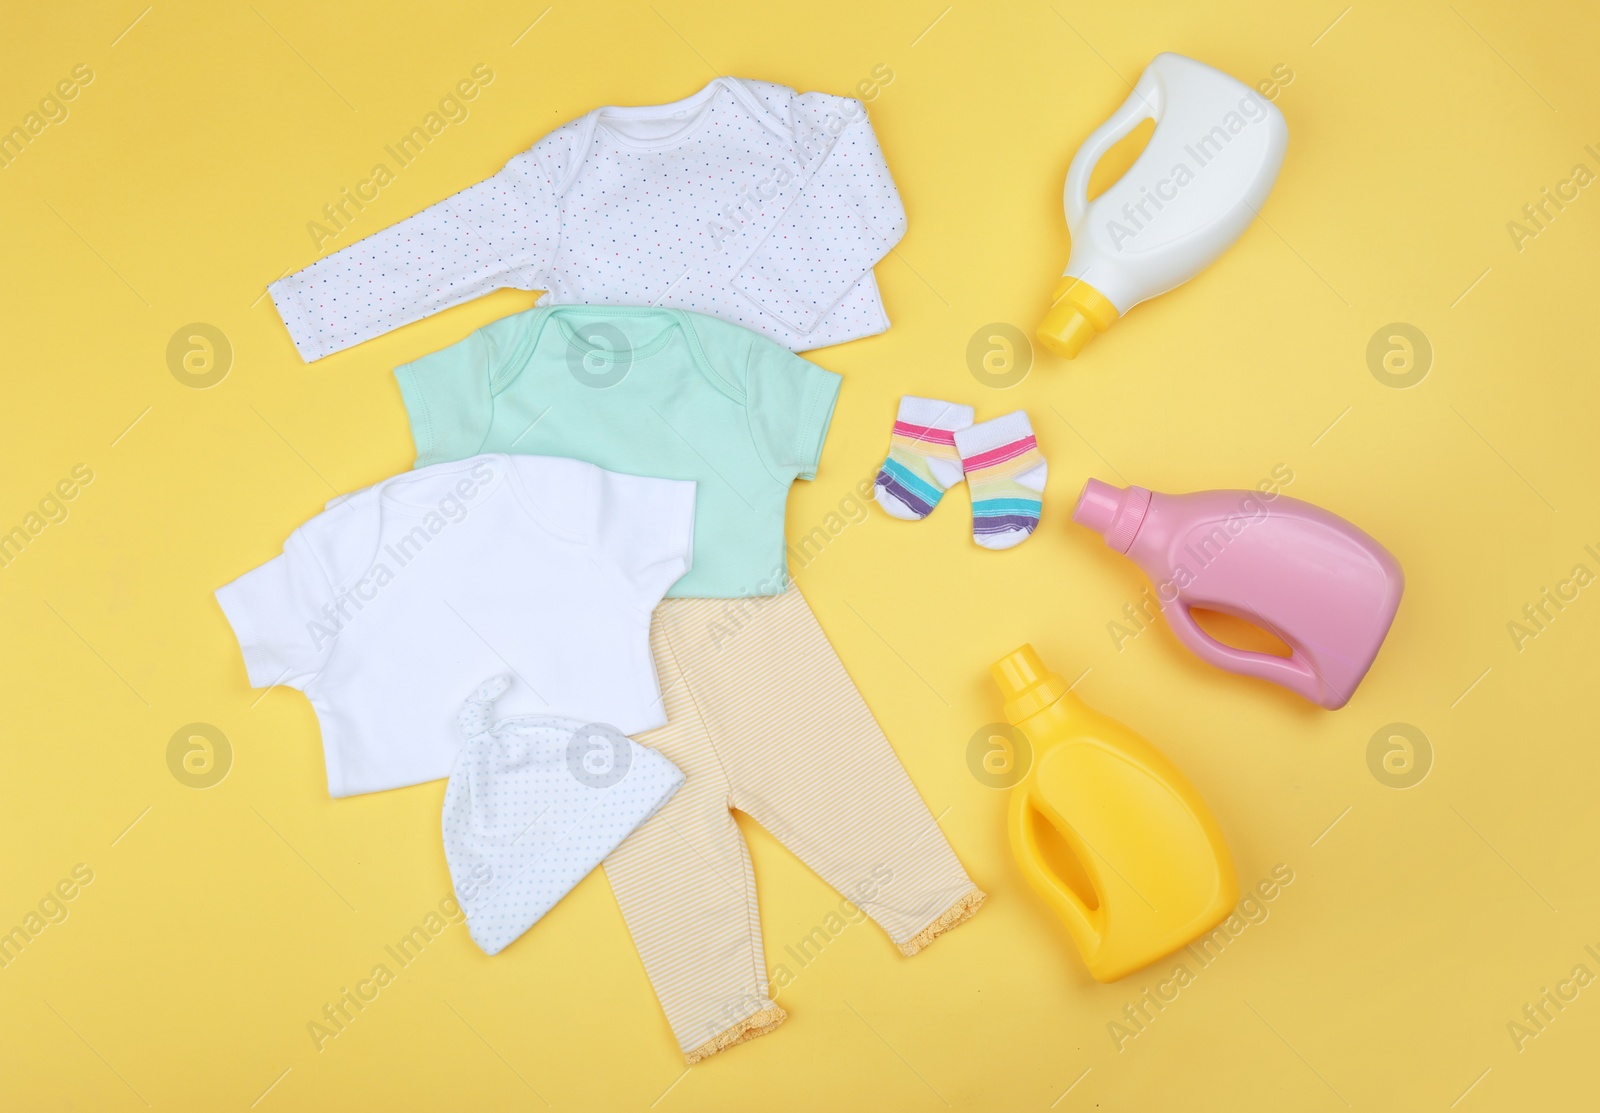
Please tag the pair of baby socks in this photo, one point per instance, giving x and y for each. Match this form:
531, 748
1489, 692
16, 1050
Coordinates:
935, 445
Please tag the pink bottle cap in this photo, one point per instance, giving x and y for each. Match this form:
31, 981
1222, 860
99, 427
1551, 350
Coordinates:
1115, 512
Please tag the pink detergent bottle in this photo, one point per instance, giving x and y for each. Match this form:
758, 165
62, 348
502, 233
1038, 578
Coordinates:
1325, 588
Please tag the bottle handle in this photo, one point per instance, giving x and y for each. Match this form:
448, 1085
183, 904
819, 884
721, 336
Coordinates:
1081, 920
1141, 105
1293, 672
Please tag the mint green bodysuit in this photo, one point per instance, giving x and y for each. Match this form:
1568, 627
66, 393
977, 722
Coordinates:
654, 392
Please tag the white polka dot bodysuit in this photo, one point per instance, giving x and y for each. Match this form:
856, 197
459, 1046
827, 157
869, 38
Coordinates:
746, 201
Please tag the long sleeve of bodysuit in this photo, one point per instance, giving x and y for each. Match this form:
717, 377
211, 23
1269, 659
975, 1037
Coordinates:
501, 232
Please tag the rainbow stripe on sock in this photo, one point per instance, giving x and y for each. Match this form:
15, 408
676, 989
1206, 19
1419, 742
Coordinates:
999, 502
905, 473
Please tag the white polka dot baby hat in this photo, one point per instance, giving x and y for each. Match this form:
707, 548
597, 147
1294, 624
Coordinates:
533, 804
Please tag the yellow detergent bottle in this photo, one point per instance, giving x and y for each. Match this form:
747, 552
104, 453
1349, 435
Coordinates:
1135, 865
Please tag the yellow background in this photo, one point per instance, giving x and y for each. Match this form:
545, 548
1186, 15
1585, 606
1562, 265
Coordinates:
221, 921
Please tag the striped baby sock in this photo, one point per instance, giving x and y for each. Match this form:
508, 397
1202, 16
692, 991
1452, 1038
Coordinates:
1006, 475
922, 461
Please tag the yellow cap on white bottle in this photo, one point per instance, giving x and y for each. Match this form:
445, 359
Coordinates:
1077, 312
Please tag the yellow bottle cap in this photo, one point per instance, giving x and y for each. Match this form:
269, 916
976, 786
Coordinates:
1077, 312
1025, 684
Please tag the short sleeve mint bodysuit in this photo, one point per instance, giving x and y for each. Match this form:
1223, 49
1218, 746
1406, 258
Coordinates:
655, 392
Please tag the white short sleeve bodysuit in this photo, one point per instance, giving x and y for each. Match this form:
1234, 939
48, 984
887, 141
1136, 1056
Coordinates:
390, 607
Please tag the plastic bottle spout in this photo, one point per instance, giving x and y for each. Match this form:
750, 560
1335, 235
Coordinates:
1025, 683
1115, 512
1077, 312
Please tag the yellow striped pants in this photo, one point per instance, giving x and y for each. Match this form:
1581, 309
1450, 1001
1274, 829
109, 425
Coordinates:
762, 718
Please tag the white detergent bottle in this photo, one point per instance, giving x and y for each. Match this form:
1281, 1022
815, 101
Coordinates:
1193, 190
